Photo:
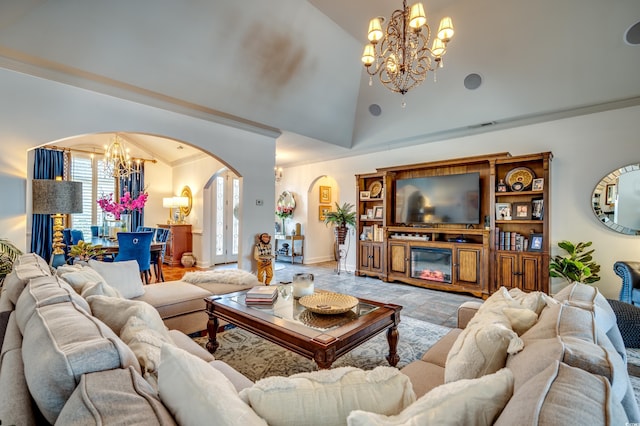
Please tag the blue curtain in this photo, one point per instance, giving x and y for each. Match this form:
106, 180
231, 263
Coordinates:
134, 183
48, 164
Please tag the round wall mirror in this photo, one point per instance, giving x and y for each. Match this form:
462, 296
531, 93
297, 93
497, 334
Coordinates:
616, 200
186, 192
286, 200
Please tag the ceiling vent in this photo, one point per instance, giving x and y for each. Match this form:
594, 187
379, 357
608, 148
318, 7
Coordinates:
375, 110
472, 81
632, 35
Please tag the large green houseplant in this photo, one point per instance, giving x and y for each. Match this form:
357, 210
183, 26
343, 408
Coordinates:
576, 265
342, 217
84, 251
8, 254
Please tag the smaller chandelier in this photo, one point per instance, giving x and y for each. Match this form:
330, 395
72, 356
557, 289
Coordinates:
401, 55
117, 161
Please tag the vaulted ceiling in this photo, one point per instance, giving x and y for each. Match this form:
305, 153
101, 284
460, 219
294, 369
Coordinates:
292, 67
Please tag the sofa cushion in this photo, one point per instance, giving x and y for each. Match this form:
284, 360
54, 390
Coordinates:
115, 396
563, 320
539, 354
115, 313
198, 394
589, 297
174, 298
61, 342
237, 277
86, 281
45, 291
329, 395
563, 395
99, 288
24, 268
465, 402
124, 276
4, 321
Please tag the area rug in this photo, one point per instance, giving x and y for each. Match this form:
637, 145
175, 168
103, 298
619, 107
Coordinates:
257, 358
633, 360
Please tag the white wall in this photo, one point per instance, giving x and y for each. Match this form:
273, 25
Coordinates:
35, 111
585, 149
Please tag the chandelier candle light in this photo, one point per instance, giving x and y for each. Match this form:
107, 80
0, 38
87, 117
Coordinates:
401, 56
117, 161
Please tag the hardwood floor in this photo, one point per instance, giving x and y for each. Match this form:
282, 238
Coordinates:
437, 307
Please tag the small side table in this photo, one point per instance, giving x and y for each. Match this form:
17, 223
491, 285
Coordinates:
290, 251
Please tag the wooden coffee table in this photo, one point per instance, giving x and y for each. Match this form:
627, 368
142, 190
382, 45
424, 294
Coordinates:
322, 338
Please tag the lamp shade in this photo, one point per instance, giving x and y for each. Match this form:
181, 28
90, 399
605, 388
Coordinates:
181, 201
168, 203
56, 196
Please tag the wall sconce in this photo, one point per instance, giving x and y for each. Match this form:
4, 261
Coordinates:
57, 198
278, 172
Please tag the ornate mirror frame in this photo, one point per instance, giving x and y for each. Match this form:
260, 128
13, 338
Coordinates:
186, 192
606, 195
286, 199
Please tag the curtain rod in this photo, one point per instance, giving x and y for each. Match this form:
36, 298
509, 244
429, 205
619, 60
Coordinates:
60, 148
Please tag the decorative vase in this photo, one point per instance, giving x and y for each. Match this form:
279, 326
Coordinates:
341, 234
188, 259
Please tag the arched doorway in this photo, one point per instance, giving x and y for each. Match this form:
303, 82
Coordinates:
221, 197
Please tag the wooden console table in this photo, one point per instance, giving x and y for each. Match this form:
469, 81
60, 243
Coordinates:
291, 250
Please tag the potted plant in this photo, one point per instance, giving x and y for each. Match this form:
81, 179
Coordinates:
8, 254
83, 251
343, 216
576, 265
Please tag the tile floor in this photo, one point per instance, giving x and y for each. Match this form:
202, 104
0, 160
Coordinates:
437, 307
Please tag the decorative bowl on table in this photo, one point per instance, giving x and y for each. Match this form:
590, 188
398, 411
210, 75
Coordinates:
328, 303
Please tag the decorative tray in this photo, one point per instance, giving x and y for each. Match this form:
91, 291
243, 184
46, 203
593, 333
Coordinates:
325, 322
520, 178
328, 303
375, 189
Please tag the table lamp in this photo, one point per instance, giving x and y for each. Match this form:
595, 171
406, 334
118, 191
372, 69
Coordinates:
57, 198
168, 203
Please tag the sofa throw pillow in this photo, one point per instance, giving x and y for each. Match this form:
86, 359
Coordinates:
465, 402
563, 395
124, 276
227, 276
328, 396
115, 313
198, 394
589, 297
99, 288
480, 349
80, 277
563, 320
146, 344
114, 397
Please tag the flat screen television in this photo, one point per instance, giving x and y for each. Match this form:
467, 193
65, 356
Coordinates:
453, 199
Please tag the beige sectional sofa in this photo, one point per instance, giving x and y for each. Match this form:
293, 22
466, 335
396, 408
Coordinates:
83, 354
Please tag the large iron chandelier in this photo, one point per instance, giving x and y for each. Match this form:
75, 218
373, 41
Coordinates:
401, 56
117, 161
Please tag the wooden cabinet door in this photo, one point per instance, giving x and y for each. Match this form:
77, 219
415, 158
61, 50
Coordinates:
398, 258
467, 266
531, 272
507, 269
375, 251
364, 262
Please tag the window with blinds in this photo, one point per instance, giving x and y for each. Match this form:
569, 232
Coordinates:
94, 184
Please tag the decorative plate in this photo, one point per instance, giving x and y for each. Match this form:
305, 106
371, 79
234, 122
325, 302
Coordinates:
375, 189
523, 175
311, 319
328, 303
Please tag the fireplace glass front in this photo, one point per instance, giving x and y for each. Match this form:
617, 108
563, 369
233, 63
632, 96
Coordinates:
433, 264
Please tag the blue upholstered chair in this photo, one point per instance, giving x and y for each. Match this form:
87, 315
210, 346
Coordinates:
141, 228
76, 235
162, 235
95, 231
136, 246
629, 271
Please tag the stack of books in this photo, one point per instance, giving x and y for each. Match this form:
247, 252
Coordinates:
261, 295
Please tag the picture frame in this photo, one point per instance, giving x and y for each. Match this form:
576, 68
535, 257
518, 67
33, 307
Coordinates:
322, 212
538, 184
521, 211
378, 212
365, 195
503, 211
535, 242
537, 209
369, 213
367, 233
610, 192
325, 195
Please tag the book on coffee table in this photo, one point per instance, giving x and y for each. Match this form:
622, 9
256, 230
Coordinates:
261, 295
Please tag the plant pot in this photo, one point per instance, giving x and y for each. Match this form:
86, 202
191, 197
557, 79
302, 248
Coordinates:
341, 234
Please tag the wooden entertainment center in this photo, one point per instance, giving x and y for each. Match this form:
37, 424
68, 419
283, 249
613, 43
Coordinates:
503, 240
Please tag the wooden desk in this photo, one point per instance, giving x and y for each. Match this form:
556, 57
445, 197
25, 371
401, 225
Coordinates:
111, 247
291, 251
